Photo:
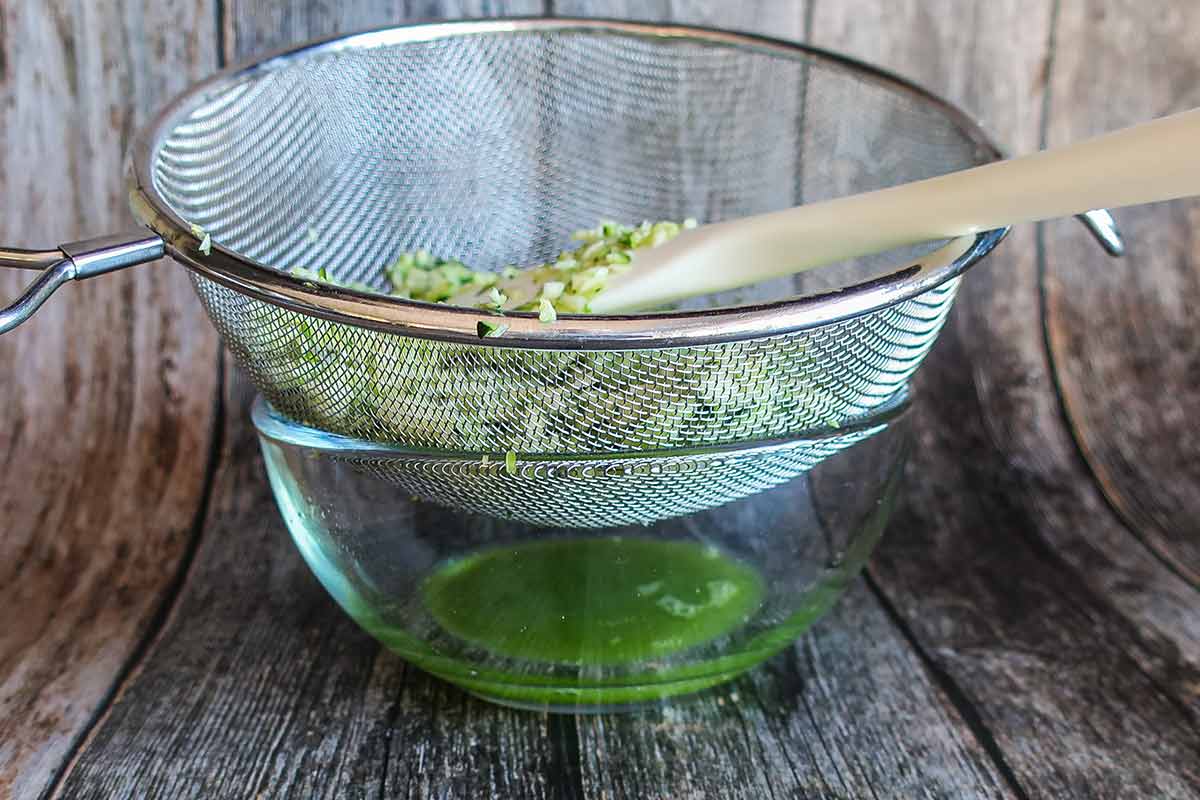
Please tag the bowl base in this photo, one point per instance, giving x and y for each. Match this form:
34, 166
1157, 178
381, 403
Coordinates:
567, 700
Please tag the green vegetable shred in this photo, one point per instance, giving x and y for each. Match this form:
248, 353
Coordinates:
565, 285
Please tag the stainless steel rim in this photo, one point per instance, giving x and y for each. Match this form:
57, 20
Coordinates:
574, 332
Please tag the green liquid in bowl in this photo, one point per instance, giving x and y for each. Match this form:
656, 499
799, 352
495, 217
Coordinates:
536, 618
598, 601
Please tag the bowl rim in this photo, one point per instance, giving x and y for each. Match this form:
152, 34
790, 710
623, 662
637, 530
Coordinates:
253, 278
278, 428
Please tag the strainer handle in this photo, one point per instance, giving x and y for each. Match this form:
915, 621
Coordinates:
73, 261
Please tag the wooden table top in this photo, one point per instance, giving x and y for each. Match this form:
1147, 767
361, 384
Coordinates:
1028, 628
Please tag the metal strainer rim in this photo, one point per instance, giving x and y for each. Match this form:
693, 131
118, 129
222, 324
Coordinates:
572, 332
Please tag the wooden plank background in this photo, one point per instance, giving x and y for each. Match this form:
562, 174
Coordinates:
108, 395
1027, 629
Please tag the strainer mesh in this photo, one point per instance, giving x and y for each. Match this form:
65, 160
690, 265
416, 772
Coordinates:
383, 387
491, 147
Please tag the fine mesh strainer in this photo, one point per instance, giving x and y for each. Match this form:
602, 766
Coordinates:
489, 142
575, 491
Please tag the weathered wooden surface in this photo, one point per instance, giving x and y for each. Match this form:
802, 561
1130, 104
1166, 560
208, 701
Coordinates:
1123, 335
107, 398
1030, 625
261, 685
1005, 560
250, 28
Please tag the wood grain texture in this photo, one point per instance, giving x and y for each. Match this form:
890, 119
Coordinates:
108, 393
1016, 639
1073, 645
252, 27
262, 687
1123, 333
247, 586
254, 661
1024, 417
784, 18
850, 712
257, 655
836, 737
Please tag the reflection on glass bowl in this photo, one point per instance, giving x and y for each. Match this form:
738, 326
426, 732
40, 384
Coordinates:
575, 618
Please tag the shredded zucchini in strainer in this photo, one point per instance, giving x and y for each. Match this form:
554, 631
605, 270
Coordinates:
557, 401
205, 240
565, 285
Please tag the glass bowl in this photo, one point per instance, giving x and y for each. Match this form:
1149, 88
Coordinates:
581, 619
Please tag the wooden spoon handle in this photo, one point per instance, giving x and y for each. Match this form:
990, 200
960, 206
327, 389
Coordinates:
1158, 160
